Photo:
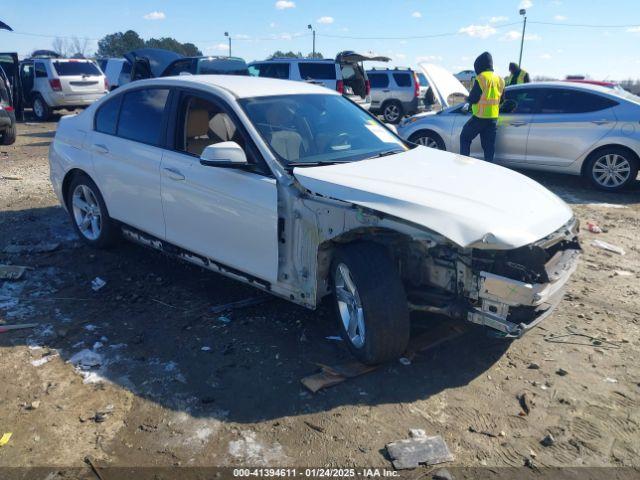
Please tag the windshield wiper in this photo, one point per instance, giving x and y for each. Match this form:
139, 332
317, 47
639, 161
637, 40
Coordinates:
317, 163
386, 153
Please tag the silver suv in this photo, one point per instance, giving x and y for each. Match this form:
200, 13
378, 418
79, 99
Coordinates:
394, 93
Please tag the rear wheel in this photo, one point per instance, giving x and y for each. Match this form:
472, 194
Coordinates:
9, 135
392, 111
41, 110
89, 214
427, 139
612, 168
370, 302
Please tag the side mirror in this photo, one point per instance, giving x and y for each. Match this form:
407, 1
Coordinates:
508, 106
225, 155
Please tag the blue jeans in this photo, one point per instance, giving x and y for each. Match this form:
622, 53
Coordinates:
486, 128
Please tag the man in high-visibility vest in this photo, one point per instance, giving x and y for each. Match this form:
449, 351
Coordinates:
484, 99
516, 75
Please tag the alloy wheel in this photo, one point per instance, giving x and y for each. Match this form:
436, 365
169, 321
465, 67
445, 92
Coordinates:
611, 170
427, 142
38, 108
86, 212
391, 113
349, 306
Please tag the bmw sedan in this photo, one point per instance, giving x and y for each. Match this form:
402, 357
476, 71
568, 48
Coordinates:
563, 127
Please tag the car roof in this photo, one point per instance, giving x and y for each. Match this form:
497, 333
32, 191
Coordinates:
296, 59
240, 86
566, 85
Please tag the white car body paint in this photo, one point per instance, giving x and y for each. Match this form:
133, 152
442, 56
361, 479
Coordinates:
441, 191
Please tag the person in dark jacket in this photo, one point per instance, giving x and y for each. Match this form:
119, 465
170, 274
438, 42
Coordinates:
516, 75
484, 99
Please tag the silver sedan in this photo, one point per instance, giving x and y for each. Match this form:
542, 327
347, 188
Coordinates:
572, 128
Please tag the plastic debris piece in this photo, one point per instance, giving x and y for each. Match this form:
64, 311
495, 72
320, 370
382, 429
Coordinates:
334, 338
5, 439
610, 380
404, 361
330, 376
608, 247
41, 361
8, 328
11, 272
413, 452
224, 319
97, 283
593, 227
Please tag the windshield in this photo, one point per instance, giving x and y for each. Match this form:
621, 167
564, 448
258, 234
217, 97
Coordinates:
219, 66
316, 129
67, 69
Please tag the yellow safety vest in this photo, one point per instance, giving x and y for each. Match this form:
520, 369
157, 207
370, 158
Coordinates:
492, 87
519, 78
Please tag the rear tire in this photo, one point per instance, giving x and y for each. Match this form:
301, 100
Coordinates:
427, 138
89, 214
41, 110
370, 302
9, 135
611, 169
392, 111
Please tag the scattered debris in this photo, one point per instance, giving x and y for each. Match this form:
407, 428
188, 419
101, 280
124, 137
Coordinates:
249, 302
89, 460
11, 272
622, 273
605, 205
417, 433
334, 338
411, 453
7, 328
561, 372
224, 319
533, 366
314, 427
610, 380
607, 246
10, 177
97, 283
593, 341
483, 432
41, 247
530, 464
441, 474
32, 405
404, 361
524, 403
548, 440
330, 376
5, 439
45, 359
593, 227
206, 349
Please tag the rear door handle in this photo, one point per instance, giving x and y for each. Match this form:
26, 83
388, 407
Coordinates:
600, 122
517, 124
100, 148
173, 174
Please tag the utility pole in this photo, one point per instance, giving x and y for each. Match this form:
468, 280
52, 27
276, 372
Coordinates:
313, 32
226, 34
523, 12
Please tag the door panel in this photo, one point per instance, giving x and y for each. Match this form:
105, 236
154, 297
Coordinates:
559, 134
511, 139
223, 214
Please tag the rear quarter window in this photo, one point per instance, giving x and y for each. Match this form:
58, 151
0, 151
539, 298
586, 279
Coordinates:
317, 71
559, 100
141, 115
68, 69
106, 119
402, 79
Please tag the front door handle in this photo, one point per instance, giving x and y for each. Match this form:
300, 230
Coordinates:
100, 148
173, 174
517, 124
600, 122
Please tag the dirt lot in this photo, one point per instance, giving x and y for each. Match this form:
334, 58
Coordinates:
165, 382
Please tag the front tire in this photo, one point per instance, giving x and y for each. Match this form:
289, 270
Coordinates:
41, 110
427, 139
392, 112
9, 135
611, 169
89, 213
370, 302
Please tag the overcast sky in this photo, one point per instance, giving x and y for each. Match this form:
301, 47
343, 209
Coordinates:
259, 27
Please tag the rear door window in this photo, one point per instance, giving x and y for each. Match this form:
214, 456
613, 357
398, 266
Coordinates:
68, 69
525, 100
557, 100
106, 119
402, 79
41, 70
317, 71
273, 70
378, 80
141, 115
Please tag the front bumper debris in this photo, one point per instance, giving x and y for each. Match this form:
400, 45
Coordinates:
513, 307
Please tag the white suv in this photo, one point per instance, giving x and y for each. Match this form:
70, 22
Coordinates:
50, 84
295, 190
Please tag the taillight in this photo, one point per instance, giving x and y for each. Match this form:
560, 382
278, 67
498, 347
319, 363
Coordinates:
367, 87
106, 84
8, 108
416, 88
340, 86
56, 86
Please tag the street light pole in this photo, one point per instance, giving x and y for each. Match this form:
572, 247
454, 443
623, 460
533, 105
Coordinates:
313, 54
226, 34
523, 12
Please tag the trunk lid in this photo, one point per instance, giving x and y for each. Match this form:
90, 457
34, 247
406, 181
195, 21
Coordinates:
469, 201
354, 76
150, 62
443, 84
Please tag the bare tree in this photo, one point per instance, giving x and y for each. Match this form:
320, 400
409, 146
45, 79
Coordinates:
79, 47
60, 46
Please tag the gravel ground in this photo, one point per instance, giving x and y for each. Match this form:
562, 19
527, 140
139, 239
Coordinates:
141, 373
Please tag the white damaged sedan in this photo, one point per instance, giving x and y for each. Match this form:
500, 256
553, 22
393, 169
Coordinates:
292, 188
